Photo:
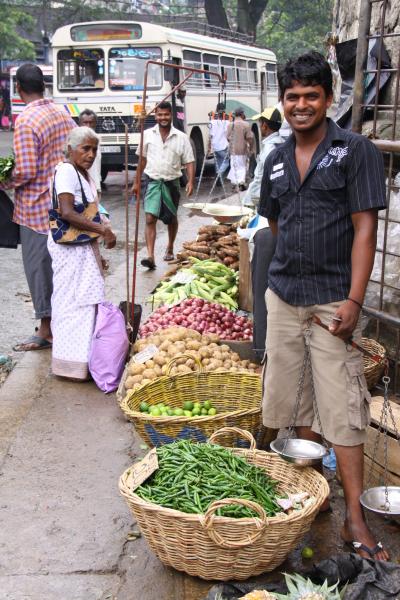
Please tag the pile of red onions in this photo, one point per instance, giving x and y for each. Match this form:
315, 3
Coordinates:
202, 316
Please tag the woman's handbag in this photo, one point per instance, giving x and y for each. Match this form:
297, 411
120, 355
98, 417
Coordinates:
109, 347
62, 231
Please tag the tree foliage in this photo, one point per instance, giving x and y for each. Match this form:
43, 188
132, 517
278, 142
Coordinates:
290, 28
12, 45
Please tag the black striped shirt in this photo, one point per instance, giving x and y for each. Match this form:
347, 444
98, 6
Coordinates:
312, 261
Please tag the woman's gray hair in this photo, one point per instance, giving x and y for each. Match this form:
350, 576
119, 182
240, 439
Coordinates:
78, 135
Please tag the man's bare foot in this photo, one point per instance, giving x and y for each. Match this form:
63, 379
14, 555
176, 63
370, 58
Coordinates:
359, 532
325, 506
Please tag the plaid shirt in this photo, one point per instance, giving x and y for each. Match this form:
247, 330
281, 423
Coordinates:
40, 135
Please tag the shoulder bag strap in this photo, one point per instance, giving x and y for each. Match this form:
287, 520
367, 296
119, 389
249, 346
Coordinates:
84, 199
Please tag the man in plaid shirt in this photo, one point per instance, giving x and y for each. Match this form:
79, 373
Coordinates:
40, 135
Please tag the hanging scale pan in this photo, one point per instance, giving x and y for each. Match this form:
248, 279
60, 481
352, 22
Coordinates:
384, 499
302, 453
375, 500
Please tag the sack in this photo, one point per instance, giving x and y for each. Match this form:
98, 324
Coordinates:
109, 347
63, 232
9, 231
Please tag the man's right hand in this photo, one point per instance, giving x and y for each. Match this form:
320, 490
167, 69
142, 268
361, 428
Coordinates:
109, 238
135, 188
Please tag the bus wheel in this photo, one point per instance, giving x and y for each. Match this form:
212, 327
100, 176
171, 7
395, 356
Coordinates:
104, 172
198, 150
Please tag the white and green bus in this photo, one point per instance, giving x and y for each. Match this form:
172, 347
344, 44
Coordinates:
100, 65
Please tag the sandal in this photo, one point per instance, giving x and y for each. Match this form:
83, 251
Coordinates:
37, 343
169, 256
360, 546
148, 263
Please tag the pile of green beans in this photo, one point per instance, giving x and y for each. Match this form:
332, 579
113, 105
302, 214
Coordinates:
191, 476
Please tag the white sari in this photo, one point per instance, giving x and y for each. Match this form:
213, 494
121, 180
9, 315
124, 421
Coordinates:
78, 286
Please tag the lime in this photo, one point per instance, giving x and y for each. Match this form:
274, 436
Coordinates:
188, 405
160, 405
307, 552
170, 411
178, 412
196, 411
187, 413
207, 405
197, 405
204, 411
156, 412
144, 407
212, 411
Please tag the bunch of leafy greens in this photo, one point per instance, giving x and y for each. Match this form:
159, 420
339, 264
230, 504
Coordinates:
6, 166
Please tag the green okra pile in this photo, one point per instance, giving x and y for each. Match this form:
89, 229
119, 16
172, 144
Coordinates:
191, 476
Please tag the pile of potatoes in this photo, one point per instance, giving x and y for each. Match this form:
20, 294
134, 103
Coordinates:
174, 341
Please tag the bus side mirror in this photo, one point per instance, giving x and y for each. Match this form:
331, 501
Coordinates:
171, 74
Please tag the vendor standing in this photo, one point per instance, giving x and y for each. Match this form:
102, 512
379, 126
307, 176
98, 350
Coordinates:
165, 151
321, 193
262, 242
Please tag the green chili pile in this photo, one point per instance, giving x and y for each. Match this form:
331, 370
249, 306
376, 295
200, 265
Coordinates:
191, 476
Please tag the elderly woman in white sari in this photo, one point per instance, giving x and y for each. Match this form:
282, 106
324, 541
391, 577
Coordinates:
78, 283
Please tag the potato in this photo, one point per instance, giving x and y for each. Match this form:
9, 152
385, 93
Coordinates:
205, 361
164, 369
190, 363
233, 369
157, 370
129, 383
172, 351
204, 352
144, 381
160, 359
224, 348
181, 347
217, 355
149, 364
184, 369
213, 337
135, 368
165, 345
218, 363
193, 345
235, 357
228, 364
149, 374
253, 366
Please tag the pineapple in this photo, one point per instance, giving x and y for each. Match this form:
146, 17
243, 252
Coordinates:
304, 589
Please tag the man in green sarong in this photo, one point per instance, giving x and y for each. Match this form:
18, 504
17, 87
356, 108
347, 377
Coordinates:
165, 151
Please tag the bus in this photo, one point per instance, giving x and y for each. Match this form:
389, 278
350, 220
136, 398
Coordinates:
100, 66
16, 103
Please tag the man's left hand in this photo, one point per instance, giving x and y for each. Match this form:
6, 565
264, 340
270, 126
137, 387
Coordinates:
189, 188
348, 314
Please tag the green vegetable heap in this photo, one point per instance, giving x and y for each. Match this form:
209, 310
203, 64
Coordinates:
6, 166
191, 476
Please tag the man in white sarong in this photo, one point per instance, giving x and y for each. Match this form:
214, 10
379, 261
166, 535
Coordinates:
241, 146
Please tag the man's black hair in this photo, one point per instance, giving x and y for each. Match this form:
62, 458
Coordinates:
308, 69
164, 106
30, 78
88, 113
273, 125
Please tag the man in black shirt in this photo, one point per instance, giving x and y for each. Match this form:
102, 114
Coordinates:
321, 193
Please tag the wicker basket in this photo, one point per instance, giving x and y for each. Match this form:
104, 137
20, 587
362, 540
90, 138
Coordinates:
373, 370
213, 547
236, 396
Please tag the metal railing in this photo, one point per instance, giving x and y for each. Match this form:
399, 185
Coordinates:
382, 309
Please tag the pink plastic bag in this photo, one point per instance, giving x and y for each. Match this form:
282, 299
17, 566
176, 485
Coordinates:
109, 347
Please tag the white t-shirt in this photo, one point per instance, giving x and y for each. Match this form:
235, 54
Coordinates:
218, 129
67, 182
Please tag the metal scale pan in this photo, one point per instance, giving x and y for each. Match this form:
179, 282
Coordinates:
302, 453
374, 500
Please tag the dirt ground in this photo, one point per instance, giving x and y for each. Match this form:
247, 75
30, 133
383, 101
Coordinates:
65, 531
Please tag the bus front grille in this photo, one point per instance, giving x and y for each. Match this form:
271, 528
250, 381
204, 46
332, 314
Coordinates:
116, 124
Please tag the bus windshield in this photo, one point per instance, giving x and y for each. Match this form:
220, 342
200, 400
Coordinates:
126, 68
81, 68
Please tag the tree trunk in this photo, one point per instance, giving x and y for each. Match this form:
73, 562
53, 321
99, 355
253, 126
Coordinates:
216, 14
249, 13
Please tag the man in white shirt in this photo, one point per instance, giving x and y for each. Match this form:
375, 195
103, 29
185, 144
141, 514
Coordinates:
219, 143
165, 151
263, 241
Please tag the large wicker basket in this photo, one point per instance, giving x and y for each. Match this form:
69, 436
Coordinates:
236, 396
373, 369
213, 547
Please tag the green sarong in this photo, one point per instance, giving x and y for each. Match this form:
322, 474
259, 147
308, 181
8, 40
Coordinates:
162, 199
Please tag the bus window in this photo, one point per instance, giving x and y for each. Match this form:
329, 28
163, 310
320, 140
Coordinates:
242, 75
253, 79
126, 68
272, 81
228, 71
193, 60
81, 68
48, 86
210, 63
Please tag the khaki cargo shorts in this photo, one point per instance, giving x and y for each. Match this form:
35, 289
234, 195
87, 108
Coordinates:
341, 390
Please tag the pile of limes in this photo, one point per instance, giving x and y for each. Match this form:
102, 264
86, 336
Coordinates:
189, 409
